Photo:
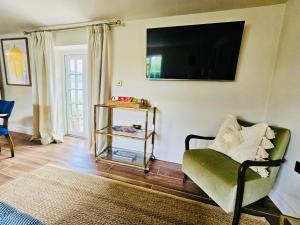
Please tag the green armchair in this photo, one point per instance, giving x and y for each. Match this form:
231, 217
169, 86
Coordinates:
231, 184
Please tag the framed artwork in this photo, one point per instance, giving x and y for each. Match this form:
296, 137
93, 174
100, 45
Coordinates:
16, 61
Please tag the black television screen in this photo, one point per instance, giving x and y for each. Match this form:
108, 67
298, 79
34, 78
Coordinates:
196, 52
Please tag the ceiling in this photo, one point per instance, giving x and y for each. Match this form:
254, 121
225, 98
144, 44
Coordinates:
19, 15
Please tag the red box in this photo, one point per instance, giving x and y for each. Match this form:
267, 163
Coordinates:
124, 99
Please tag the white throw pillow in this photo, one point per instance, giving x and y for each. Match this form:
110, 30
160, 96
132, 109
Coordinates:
266, 143
270, 134
244, 143
252, 138
254, 147
261, 153
261, 170
228, 137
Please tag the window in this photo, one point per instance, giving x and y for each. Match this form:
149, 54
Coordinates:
154, 66
76, 104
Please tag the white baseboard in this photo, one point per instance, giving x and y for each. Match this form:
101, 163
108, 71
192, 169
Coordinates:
22, 129
286, 204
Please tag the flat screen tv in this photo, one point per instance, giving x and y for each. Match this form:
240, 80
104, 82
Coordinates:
195, 52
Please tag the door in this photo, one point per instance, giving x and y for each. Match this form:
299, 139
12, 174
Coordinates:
76, 85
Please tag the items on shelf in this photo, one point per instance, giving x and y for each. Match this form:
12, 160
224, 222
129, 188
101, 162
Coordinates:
125, 154
137, 126
126, 129
130, 102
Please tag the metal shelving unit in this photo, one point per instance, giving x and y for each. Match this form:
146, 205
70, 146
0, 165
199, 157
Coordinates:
143, 158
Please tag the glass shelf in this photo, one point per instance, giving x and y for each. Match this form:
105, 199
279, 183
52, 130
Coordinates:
139, 135
110, 154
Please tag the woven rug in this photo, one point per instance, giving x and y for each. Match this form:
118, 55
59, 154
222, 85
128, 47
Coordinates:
57, 196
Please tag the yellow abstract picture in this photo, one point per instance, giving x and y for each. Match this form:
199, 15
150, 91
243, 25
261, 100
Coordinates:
16, 61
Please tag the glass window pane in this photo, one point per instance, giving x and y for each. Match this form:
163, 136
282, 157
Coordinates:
80, 111
75, 72
73, 96
74, 110
79, 82
73, 82
74, 124
80, 125
72, 66
80, 97
79, 66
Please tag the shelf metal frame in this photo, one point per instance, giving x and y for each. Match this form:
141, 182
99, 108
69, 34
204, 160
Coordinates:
107, 130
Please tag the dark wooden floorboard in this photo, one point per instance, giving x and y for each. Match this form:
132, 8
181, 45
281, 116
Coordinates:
73, 154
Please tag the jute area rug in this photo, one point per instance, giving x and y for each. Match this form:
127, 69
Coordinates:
57, 196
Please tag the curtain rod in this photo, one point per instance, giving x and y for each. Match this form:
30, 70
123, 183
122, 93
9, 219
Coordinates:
117, 22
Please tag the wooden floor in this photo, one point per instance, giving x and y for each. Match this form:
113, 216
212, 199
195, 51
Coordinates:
73, 154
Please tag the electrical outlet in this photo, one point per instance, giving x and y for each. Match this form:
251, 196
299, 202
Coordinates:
297, 167
119, 83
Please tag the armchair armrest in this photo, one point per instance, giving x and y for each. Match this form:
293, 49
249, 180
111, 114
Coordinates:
193, 136
248, 163
241, 183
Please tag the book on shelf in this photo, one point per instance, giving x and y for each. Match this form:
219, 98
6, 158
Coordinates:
124, 155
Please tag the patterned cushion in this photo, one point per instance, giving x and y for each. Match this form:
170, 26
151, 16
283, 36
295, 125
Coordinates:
9, 216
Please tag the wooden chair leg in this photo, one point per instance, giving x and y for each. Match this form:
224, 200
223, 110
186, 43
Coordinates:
262, 202
11, 145
236, 215
239, 197
0, 147
184, 178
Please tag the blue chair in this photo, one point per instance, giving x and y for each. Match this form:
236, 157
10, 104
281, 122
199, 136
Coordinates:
6, 108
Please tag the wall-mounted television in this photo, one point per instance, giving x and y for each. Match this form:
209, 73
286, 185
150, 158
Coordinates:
194, 52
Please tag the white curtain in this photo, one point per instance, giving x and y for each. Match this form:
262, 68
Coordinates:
99, 78
46, 88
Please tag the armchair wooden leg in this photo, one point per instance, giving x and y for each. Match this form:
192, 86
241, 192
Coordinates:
11, 145
239, 198
184, 178
238, 204
262, 202
236, 215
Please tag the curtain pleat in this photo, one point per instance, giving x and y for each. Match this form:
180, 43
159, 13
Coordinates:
99, 78
46, 86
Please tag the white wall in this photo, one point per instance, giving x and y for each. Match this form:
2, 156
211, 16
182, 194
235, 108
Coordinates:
70, 37
21, 119
284, 108
199, 106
